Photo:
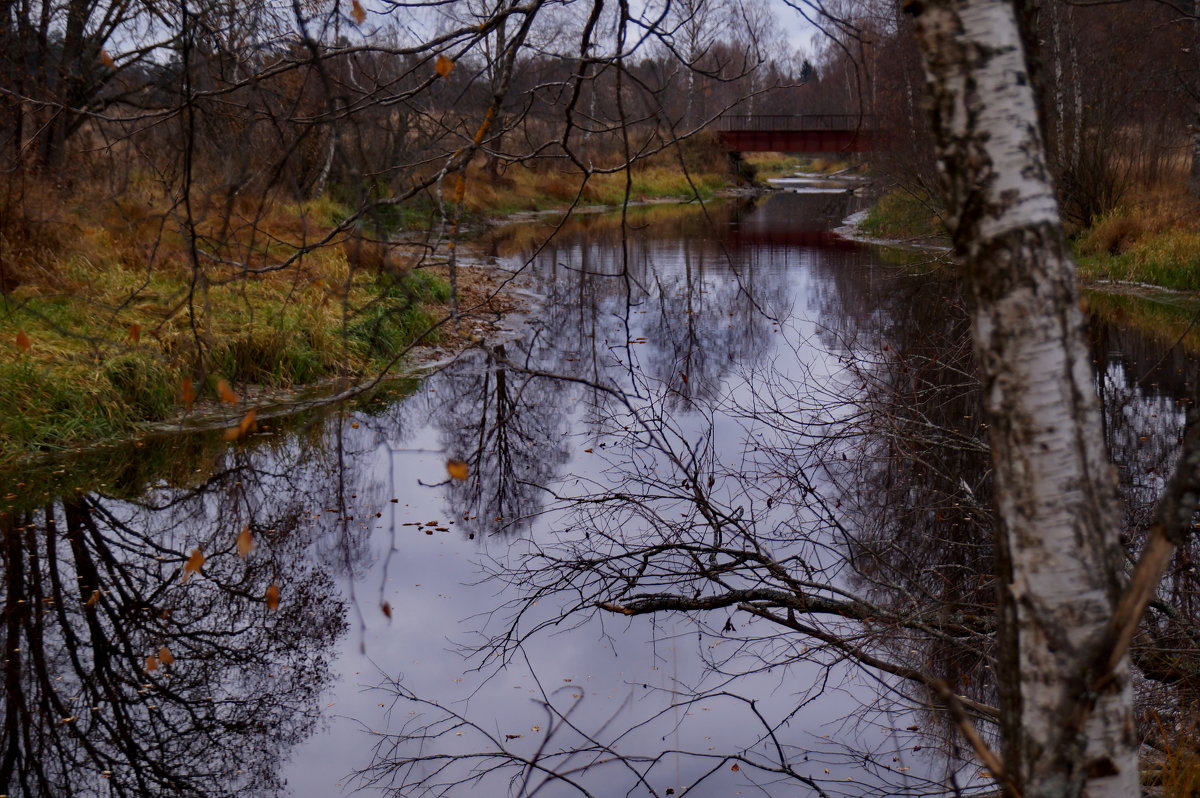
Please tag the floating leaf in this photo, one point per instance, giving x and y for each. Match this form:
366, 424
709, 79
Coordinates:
151, 663
245, 542
23, 342
387, 609
187, 393
135, 332
459, 470
734, 767
244, 426
165, 656
272, 596
226, 393
92, 599
193, 564
357, 12
443, 66
107, 59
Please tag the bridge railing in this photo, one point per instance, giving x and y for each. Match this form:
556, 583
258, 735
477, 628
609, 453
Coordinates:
797, 122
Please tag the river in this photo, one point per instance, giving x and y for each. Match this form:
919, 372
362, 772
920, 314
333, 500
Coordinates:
703, 401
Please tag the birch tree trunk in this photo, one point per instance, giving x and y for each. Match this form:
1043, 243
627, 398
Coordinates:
1058, 521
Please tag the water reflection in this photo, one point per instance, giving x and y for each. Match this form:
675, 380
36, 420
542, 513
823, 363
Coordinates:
127, 675
1147, 388
672, 494
916, 481
728, 412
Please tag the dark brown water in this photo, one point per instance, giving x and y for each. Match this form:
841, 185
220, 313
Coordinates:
693, 385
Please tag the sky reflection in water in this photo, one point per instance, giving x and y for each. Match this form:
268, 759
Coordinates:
707, 319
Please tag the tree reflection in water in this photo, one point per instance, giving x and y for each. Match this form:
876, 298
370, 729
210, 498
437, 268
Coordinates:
916, 485
795, 507
753, 434
123, 677
683, 506
1147, 386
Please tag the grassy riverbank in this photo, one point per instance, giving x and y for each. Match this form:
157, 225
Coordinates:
904, 216
1152, 241
121, 310
1136, 259
112, 319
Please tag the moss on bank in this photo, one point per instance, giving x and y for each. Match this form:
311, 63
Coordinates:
69, 377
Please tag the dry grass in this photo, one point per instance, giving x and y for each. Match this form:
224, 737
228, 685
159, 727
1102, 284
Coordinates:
111, 301
696, 167
773, 164
105, 315
1174, 769
1154, 238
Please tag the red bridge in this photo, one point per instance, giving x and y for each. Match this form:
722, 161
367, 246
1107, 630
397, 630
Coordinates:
798, 133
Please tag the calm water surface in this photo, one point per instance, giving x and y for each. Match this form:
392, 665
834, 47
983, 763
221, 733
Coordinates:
721, 370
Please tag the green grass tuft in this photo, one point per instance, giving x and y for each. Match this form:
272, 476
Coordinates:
144, 386
902, 215
44, 409
1169, 259
398, 316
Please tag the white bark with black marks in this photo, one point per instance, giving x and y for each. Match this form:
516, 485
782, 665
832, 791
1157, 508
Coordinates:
1056, 493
